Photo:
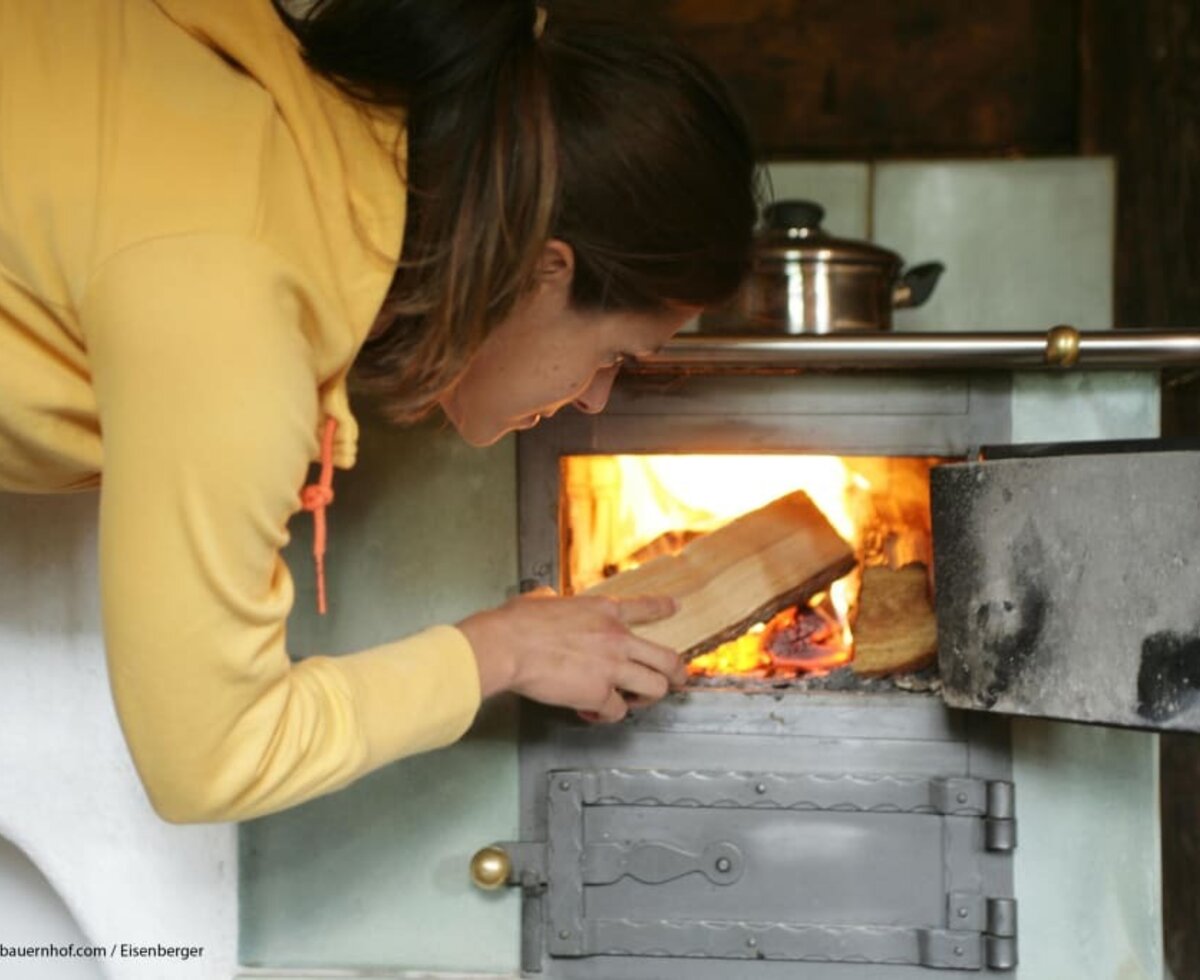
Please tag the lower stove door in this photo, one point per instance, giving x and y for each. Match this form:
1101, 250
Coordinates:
878, 871
1067, 582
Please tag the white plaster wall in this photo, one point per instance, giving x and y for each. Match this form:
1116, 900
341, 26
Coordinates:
70, 800
30, 906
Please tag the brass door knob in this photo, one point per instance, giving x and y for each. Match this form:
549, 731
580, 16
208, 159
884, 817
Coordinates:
490, 868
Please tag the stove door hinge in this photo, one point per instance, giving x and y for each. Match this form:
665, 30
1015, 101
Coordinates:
1000, 940
994, 800
976, 921
1000, 824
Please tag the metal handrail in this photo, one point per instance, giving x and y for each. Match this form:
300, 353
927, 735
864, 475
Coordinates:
1060, 347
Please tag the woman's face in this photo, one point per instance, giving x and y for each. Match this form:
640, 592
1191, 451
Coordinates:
545, 355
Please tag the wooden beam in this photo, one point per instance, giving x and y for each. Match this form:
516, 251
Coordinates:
880, 78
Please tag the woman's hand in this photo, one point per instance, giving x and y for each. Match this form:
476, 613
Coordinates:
575, 652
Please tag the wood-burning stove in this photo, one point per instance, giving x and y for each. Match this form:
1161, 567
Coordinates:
771, 829
754, 830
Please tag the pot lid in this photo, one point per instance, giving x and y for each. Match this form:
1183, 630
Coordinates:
792, 229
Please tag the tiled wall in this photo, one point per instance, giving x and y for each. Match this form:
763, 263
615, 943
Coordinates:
423, 532
1026, 243
842, 189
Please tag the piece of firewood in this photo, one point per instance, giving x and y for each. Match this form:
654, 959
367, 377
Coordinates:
668, 543
740, 574
896, 628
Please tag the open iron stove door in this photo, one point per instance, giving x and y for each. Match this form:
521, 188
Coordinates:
1067, 582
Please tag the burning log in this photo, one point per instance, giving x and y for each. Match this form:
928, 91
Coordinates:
739, 575
896, 629
808, 639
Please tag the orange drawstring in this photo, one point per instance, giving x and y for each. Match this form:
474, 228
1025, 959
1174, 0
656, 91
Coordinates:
315, 497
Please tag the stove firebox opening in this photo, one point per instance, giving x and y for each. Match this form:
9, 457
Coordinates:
872, 629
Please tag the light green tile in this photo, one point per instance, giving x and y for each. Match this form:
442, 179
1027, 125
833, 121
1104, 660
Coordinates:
842, 189
1088, 862
376, 876
423, 531
319, 974
1026, 243
1053, 407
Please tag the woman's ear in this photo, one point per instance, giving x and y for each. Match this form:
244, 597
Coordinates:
557, 263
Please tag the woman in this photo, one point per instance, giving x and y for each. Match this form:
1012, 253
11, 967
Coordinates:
211, 209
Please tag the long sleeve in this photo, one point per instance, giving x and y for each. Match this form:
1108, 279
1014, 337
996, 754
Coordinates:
203, 368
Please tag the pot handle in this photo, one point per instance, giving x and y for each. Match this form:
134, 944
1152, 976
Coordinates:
916, 284
793, 214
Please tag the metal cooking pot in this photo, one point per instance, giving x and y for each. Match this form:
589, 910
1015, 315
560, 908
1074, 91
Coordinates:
805, 281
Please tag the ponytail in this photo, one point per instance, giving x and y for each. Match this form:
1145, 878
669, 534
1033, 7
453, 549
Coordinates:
624, 147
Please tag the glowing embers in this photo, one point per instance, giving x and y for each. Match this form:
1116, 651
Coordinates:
808, 639
623, 510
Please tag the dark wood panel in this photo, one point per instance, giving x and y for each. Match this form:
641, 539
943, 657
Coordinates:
886, 78
1140, 102
1181, 417
1181, 852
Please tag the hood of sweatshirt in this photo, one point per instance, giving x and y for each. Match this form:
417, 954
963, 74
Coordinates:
350, 156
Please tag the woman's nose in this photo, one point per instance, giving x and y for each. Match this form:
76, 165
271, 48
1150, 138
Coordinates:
595, 395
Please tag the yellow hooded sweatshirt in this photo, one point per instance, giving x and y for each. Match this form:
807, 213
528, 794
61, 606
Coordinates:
196, 233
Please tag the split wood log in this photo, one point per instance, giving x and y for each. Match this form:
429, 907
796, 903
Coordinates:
668, 543
738, 575
896, 628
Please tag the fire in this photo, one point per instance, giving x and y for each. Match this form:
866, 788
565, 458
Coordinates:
623, 510
743, 655
754, 652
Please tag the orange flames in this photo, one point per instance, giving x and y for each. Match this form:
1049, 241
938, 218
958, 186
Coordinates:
622, 510
750, 653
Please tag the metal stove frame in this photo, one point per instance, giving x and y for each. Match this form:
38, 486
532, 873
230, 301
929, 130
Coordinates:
622, 825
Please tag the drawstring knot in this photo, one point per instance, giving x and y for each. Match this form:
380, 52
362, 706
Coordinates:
315, 497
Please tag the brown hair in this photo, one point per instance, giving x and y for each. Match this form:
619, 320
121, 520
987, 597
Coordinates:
620, 144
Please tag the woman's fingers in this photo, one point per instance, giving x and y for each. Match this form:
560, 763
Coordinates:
575, 652
641, 682
650, 609
645, 609
662, 659
632, 703
614, 708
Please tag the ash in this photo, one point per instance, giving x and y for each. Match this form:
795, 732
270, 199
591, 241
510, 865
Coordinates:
924, 681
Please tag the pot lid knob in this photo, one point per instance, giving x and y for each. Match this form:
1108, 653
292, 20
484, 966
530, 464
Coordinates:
801, 215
